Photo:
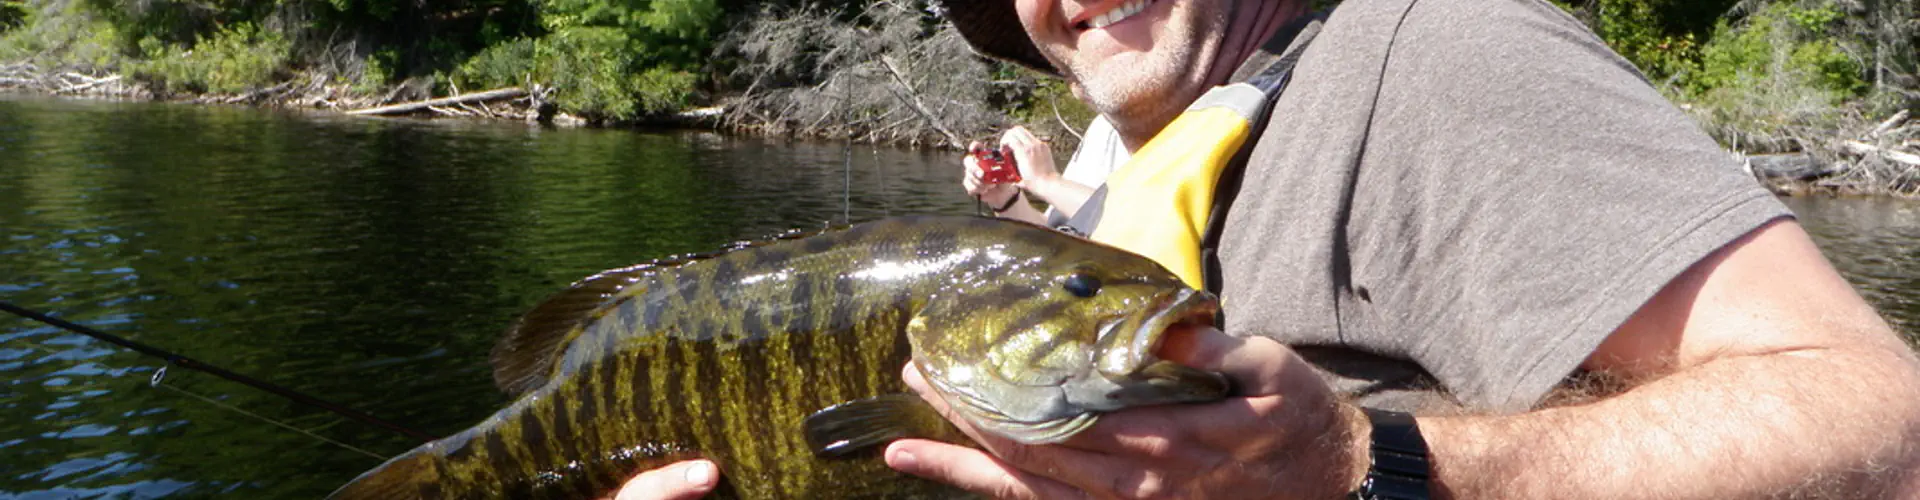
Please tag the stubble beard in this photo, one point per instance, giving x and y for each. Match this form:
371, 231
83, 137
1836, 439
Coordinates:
1140, 98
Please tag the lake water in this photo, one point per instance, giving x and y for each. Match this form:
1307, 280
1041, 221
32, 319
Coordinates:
373, 262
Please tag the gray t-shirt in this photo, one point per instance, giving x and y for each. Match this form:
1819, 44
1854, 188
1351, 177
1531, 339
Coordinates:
1468, 195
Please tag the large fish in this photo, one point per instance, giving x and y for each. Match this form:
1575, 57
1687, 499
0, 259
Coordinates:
781, 362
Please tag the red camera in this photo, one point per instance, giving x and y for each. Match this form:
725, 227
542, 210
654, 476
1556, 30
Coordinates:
995, 167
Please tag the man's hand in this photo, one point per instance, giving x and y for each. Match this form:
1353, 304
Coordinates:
1284, 435
681, 481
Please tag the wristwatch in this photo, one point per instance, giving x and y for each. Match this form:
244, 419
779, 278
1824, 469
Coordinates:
1398, 470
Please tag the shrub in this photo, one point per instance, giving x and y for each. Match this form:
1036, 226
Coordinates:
12, 13
234, 59
593, 72
63, 34
1775, 81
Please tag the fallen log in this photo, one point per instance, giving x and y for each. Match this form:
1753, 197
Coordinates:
1892, 155
1800, 167
1885, 126
490, 95
85, 82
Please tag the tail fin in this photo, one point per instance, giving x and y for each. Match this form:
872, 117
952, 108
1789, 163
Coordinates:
412, 475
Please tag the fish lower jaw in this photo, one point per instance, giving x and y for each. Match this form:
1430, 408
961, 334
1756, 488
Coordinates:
1043, 432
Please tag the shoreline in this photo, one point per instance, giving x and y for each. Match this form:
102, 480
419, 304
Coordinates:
1884, 161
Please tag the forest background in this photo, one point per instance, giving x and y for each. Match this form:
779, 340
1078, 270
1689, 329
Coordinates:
1762, 76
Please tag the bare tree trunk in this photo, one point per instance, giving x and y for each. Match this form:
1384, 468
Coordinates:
490, 95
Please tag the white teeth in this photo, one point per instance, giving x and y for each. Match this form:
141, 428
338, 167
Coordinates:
1126, 10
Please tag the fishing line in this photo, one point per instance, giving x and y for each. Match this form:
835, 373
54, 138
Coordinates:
846, 199
161, 374
195, 365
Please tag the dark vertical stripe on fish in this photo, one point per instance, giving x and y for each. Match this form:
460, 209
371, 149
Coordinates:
1029, 321
723, 273
533, 437
497, 449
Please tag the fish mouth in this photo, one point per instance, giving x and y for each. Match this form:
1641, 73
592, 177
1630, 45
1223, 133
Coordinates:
1128, 343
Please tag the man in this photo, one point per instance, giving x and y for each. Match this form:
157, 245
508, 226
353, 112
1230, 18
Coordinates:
1461, 209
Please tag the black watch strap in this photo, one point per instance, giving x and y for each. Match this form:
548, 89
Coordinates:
1399, 467
1009, 204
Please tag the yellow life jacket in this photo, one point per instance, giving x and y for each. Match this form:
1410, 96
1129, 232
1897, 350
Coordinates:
1159, 203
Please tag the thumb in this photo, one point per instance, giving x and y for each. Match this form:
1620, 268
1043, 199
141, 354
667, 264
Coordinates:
1258, 365
681, 481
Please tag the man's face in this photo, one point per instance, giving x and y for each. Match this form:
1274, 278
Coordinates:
1139, 62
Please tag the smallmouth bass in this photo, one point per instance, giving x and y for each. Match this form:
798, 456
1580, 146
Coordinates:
780, 361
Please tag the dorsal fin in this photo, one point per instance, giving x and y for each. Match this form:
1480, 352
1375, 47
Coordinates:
525, 357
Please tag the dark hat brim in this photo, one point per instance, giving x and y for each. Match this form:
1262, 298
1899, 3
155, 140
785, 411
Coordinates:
993, 29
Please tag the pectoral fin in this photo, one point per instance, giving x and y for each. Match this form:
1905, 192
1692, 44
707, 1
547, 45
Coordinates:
847, 428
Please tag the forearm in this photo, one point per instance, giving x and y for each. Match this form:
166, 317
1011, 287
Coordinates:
1024, 211
1063, 195
1819, 423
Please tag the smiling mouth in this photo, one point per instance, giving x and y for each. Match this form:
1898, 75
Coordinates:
1118, 14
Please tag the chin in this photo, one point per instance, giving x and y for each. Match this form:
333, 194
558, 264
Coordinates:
1140, 107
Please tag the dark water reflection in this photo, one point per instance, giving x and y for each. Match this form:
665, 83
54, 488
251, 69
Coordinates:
373, 262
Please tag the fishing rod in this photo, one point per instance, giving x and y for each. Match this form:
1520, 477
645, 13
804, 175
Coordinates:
192, 364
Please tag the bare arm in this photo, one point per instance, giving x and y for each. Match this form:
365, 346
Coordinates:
1064, 195
1761, 373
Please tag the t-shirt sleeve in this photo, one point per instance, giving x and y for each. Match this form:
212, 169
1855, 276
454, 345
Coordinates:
1523, 191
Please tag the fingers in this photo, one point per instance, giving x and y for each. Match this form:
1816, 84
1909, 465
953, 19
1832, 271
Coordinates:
680, 481
972, 470
1032, 156
970, 179
1258, 365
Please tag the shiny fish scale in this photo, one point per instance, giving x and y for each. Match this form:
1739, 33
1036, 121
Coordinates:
722, 356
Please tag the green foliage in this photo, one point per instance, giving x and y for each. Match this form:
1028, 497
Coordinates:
606, 60
659, 89
1784, 43
13, 13
663, 31
1775, 79
373, 75
506, 64
1661, 37
590, 68
414, 37
1051, 106
234, 59
64, 34
176, 22
1831, 68
594, 71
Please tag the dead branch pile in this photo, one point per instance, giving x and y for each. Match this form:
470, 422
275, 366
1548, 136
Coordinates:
1882, 159
511, 103
29, 76
885, 75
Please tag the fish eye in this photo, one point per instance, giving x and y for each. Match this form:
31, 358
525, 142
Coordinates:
1082, 285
